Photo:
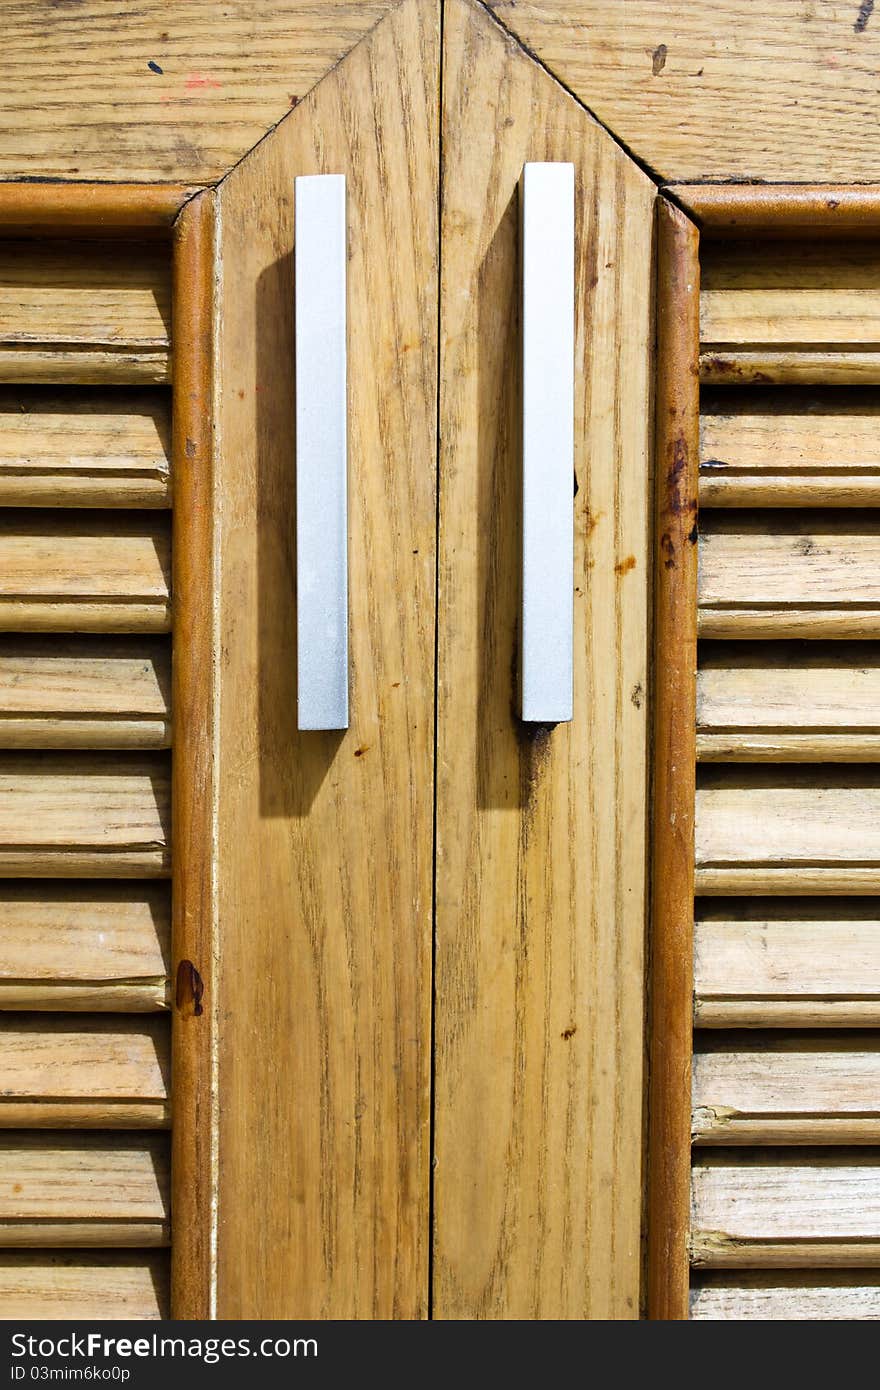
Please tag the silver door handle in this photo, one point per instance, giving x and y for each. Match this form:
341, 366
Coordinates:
547, 631
321, 452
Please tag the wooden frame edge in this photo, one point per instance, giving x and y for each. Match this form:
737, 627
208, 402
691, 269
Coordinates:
780, 210
676, 468
193, 770
122, 209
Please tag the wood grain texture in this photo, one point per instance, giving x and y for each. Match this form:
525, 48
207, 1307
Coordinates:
77, 1073
85, 311
84, 571
732, 91
788, 702
770, 366
796, 447
84, 448
84, 946
540, 898
768, 1209
325, 841
39, 1286
84, 693
781, 1297
800, 963
90, 209
762, 830
676, 466
194, 774
782, 211
789, 574
77, 1190
226, 72
794, 1088
95, 814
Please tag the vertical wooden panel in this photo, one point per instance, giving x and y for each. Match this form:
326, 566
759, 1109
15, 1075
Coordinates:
325, 839
675, 641
193, 772
540, 830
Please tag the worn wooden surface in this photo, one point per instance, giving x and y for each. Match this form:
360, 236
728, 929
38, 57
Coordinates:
792, 1088
782, 211
785, 1297
788, 702
325, 841
83, 1190
84, 946
789, 574
778, 447
98, 1073
786, 1208
87, 448
83, 1286
797, 963
84, 692
97, 814
540, 894
732, 90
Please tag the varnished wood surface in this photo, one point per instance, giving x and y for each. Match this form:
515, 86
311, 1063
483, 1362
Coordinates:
326, 841
780, 211
83, 1286
786, 1208
784, 1297
540, 894
792, 1088
84, 448
195, 940
95, 814
779, 91
83, 1190
795, 963
76, 1072
89, 209
84, 946
78, 692
795, 447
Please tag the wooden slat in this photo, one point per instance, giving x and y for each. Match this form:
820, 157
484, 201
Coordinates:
788, 702
96, 814
792, 1089
789, 574
828, 366
539, 1016
781, 1209
778, 447
90, 209
39, 1286
83, 1190
85, 311
797, 1296
326, 898
84, 571
84, 448
797, 963
84, 693
71, 1073
797, 830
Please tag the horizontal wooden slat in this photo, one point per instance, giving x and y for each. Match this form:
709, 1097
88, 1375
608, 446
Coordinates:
786, 1209
78, 692
104, 1073
84, 447
772, 447
83, 1190
797, 830
828, 366
801, 1295
84, 946
786, 1089
789, 574
51, 1286
84, 311
788, 701
799, 962
84, 571
96, 814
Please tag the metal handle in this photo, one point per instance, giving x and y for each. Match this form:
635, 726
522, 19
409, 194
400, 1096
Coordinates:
321, 453
547, 230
